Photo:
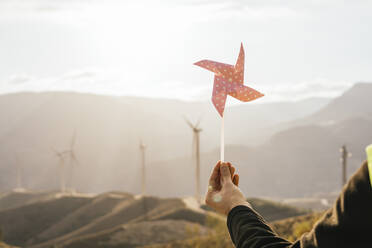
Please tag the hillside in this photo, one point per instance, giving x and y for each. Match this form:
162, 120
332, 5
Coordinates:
116, 219
273, 211
3, 245
66, 218
17, 199
138, 234
299, 162
354, 103
21, 225
290, 229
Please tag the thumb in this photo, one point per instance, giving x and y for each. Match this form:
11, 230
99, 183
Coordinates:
225, 173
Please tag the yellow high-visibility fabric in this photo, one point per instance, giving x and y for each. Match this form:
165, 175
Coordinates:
369, 159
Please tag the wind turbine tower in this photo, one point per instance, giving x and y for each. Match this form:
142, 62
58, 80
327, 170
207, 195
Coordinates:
19, 187
143, 168
72, 159
196, 148
61, 166
345, 154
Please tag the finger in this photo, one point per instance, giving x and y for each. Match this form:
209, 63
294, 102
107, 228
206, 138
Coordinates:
236, 180
225, 173
232, 171
215, 175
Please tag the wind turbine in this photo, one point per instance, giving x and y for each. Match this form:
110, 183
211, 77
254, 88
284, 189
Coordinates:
142, 147
70, 154
196, 145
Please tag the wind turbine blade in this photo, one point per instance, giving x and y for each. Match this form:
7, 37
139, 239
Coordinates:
65, 152
57, 153
198, 122
54, 150
73, 140
189, 123
73, 158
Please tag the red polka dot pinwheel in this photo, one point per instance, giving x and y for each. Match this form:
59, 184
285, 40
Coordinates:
229, 80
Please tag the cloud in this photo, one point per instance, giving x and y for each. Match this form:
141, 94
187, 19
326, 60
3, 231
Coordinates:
113, 83
29, 6
84, 74
320, 87
293, 91
19, 79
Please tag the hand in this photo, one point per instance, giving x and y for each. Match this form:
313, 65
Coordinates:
223, 192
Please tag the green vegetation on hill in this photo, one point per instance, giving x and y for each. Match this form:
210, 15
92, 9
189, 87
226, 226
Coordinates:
293, 228
217, 236
272, 211
137, 234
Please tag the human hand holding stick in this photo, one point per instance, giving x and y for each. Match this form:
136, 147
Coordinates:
223, 192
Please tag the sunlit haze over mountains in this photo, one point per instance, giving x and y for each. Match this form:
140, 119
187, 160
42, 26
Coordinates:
294, 50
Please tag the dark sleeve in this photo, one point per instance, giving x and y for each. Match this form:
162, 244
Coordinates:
347, 224
249, 230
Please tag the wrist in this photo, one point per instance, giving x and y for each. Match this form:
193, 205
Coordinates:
238, 203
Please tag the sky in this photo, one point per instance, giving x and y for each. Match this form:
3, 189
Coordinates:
294, 49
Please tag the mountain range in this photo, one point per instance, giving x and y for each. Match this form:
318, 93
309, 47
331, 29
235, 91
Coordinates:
286, 149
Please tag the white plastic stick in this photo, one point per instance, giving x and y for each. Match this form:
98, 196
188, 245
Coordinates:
222, 140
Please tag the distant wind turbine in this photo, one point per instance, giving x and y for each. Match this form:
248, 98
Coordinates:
344, 156
196, 148
143, 168
70, 154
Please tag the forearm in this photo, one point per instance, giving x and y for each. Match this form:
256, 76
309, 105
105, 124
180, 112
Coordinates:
249, 230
